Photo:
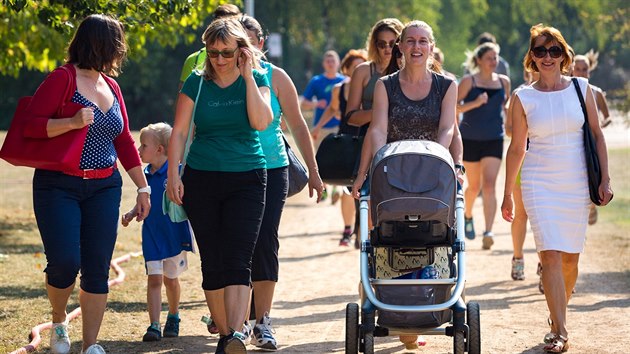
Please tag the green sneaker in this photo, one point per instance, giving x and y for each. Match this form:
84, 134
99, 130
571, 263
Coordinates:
171, 327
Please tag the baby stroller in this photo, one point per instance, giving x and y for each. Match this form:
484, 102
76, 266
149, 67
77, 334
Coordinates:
418, 217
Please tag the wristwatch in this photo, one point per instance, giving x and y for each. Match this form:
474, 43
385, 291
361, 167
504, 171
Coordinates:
146, 189
461, 168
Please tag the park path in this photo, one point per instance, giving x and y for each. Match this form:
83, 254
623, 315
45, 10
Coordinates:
318, 278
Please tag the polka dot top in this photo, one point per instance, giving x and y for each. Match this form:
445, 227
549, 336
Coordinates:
99, 151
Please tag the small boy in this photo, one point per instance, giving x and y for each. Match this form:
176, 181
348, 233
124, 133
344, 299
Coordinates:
164, 243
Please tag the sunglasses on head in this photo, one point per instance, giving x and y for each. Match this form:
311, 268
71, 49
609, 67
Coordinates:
554, 52
226, 53
384, 45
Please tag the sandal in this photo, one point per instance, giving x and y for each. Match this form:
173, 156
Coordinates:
549, 337
560, 344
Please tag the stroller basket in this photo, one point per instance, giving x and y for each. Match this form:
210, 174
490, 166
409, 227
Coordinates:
413, 295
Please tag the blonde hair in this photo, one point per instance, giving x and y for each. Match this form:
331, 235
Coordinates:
472, 57
434, 65
551, 34
161, 132
590, 58
224, 29
387, 24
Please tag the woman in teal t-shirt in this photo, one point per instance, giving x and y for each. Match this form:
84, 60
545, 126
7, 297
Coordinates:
265, 265
224, 182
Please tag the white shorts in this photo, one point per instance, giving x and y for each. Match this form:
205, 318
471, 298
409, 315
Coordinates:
170, 267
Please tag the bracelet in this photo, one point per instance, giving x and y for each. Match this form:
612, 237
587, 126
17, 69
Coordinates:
146, 189
461, 168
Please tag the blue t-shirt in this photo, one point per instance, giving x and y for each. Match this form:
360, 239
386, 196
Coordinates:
321, 87
271, 138
162, 238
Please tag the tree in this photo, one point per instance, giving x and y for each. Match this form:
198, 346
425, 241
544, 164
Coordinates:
35, 33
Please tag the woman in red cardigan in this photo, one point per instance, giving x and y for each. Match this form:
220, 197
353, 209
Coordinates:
77, 209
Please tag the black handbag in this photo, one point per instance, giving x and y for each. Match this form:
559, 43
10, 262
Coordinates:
298, 177
590, 152
338, 158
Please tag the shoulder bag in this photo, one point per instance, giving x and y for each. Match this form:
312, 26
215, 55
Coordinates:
176, 212
590, 152
298, 177
59, 153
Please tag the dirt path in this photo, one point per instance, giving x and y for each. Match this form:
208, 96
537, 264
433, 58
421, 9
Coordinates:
318, 278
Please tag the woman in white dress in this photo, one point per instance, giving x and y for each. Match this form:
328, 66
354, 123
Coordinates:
554, 180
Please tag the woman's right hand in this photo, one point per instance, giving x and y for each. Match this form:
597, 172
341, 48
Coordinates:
85, 116
356, 187
175, 190
507, 208
482, 99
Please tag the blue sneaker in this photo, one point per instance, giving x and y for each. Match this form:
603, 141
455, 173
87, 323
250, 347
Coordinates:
153, 333
171, 327
469, 228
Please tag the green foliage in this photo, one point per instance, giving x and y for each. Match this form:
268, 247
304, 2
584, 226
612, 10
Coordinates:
35, 33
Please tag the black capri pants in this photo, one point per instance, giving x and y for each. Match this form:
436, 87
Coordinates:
225, 210
265, 263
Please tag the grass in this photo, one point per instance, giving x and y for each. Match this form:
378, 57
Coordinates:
23, 302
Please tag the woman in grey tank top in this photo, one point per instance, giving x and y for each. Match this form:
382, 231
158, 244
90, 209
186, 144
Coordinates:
379, 44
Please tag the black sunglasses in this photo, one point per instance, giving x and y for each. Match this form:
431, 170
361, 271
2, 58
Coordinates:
554, 52
226, 53
384, 45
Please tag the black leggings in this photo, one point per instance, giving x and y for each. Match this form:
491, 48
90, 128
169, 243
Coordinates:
225, 210
265, 263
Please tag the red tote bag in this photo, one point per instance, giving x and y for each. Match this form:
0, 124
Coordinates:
61, 153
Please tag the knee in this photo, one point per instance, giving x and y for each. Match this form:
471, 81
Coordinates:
154, 281
63, 272
94, 278
171, 283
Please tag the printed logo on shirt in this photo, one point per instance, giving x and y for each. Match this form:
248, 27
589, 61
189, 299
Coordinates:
227, 103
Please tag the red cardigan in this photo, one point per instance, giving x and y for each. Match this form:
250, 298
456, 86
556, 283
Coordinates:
49, 97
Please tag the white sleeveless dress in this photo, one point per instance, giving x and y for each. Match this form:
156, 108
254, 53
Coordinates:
553, 178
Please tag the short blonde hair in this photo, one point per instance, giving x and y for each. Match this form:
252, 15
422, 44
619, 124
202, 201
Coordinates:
161, 132
551, 34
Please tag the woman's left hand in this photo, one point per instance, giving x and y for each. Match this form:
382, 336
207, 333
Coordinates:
244, 61
507, 208
143, 205
315, 183
605, 192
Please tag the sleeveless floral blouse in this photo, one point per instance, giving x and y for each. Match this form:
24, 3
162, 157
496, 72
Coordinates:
409, 119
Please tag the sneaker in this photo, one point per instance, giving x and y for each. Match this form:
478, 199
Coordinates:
59, 340
488, 240
324, 195
518, 268
153, 333
248, 331
469, 228
540, 283
94, 349
220, 345
235, 343
345, 241
212, 328
263, 335
171, 327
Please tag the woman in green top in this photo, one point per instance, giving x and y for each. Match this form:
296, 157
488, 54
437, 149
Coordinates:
225, 175
265, 264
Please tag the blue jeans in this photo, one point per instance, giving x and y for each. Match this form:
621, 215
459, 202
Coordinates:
78, 221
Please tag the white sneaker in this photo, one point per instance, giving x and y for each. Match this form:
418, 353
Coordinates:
263, 335
94, 349
248, 331
59, 340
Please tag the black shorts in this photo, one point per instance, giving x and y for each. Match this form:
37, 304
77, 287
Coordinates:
475, 150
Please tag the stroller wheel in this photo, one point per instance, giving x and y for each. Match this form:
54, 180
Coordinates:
368, 343
474, 329
352, 328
